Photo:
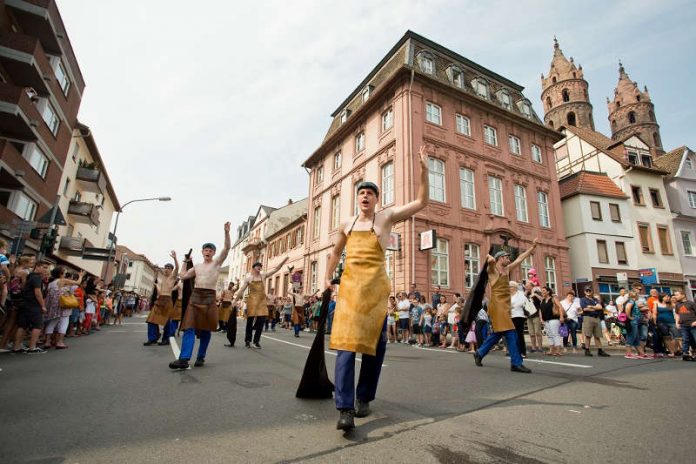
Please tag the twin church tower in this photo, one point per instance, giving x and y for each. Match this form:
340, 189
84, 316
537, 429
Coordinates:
566, 102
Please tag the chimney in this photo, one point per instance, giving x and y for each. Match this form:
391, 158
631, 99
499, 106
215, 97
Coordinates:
289, 201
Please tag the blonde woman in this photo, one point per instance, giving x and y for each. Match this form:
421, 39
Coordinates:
552, 316
391, 319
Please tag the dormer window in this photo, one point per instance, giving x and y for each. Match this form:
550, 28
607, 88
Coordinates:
646, 160
366, 93
456, 76
525, 108
344, 116
633, 158
505, 100
480, 87
426, 63
688, 163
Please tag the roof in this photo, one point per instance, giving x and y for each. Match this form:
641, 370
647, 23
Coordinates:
133, 256
589, 183
284, 216
671, 160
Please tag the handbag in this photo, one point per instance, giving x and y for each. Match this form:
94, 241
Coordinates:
69, 302
563, 330
529, 307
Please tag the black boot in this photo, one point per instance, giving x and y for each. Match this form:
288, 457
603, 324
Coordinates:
477, 359
199, 362
149, 343
602, 353
363, 408
521, 368
179, 364
587, 352
163, 342
345, 420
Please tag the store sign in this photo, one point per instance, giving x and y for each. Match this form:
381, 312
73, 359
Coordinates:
428, 240
649, 276
394, 243
622, 276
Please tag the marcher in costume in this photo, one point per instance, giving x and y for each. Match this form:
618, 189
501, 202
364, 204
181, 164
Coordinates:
227, 298
201, 314
257, 309
298, 317
359, 323
162, 308
499, 304
177, 297
225, 301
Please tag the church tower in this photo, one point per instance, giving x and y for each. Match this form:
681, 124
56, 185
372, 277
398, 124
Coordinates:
632, 113
564, 94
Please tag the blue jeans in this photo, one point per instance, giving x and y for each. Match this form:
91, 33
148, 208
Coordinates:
329, 322
188, 341
370, 369
510, 340
688, 339
173, 325
572, 332
153, 332
633, 335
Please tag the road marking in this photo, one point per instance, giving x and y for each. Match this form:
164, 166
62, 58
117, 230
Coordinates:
558, 363
132, 323
309, 347
438, 350
175, 347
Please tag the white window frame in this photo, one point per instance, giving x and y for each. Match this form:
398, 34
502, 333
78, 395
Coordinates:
344, 116
433, 113
515, 145
527, 264
490, 135
335, 211
521, 203
472, 263
467, 185
692, 199
320, 174
536, 154
505, 99
436, 179
389, 262
550, 270
387, 119
687, 240
22, 205
36, 159
316, 226
387, 172
543, 206
427, 64
360, 142
49, 116
356, 206
439, 264
458, 77
337, 161
463, 124
313, 275
366, 93
59, 70
481, 88
495, 194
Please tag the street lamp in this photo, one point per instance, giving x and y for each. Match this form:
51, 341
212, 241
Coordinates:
112, 245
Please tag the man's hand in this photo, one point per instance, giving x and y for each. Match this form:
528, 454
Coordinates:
535, 242
423, 158
490, 259
227, 227
173, 254
328, 284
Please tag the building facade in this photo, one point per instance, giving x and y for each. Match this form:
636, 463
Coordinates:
140, 272
237, 259
492, 177
285, 237
680, 184
40, 92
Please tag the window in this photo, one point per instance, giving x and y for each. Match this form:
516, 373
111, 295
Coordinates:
426, 63
66, 186
514, 143
50, 117
614, 212
335, 211
655, 198
490, 136
571, 119
344, 116
466, 183
596, 210
313, 271
316, 226
632, 157
687, 242
521, 203
472, 263
320, 174
356, 206
525, 108
631, 117
36, 158
367, 91
387, 120
439, 260
665, 242
337, 161
637, 193
480, 87
536, 154
550, 262
527, 264
457, 77
299, 236
602, 252
61, 76
22, 205
389, 263
505, 99
359, 142
566, 95
646, 243
388, 183
543, 203
495, 191
463, 125
621, 253
433, 113
688, 163
436, 179
646, 160
692, 199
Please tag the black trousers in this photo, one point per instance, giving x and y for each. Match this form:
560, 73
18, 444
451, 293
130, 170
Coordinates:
256, 324
519, 328
232, 327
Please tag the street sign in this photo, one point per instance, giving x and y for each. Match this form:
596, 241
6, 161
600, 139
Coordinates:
622, 276
394, 241
428, 240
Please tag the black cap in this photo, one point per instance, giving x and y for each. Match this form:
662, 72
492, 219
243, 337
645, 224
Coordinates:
257, 264
169, 266
368, 185
209, 245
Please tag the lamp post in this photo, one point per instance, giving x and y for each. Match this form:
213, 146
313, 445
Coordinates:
112, 246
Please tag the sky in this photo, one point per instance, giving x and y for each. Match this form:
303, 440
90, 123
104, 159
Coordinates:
217, 103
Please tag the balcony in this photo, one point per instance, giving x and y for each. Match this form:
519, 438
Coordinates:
84, 213
18, 115
72, 246
252, 244
36, 19
91, 180
25, 61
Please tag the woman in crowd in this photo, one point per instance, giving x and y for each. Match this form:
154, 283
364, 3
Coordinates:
452, 322
404, 309
391, 319
442, 312
610, 313
287, 312
571, 307
632, 331
58, 314
518, 301
552, 317
663, 317
416, 314
14, 287
426, 322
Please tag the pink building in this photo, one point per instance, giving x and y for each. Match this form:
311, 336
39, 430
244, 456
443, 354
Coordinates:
491, 162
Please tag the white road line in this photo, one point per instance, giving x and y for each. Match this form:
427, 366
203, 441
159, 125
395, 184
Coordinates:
438, 350
132, 323
175, 347
308, 347
558, 363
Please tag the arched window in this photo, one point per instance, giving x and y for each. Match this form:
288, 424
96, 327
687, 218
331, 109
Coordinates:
571, 119
652, 116
551, 124
548, 102
574, 76
553, 79
613, 125
631, 117
566, 95
637, 97
618, 103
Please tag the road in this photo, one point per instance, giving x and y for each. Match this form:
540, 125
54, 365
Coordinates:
108, 399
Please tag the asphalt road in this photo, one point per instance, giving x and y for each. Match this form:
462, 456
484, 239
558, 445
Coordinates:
108, 399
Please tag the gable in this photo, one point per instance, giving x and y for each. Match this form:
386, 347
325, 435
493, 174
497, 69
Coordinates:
636, 142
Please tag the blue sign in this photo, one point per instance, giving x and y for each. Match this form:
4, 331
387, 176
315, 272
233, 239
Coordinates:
649, 276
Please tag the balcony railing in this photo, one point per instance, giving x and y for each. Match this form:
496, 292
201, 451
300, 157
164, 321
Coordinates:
90, 180
85, 213
71, 245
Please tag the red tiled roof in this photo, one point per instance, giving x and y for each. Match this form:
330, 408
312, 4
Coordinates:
671, 160
589, 183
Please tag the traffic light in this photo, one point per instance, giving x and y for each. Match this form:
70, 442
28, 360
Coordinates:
49, 240
35, 234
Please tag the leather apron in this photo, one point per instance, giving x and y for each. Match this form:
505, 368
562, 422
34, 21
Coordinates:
161, 310
201, 313
499, 305
256, 300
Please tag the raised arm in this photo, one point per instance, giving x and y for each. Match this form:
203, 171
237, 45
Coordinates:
176, 262
277, 268
226, 248
187, 273
240, 292
335, 255
524, 255
409, 209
